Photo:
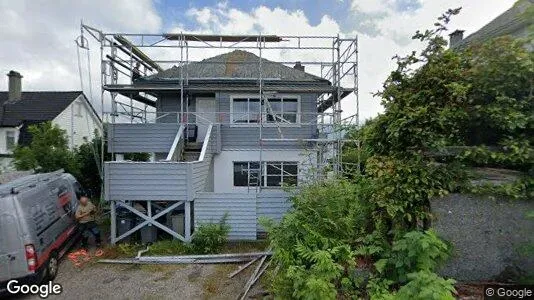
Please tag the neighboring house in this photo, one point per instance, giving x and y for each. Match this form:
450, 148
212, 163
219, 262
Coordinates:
221, 159
70, 110
517, 22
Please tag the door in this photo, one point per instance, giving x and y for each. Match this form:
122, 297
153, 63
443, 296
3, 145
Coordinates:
10, 245
205, 114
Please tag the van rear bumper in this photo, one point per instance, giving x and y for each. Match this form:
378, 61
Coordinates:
34, 278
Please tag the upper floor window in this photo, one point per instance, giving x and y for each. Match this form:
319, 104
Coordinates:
274, 173
246, 110
281, 110
78, 108
10, 140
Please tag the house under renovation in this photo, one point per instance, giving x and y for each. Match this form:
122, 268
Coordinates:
228, 135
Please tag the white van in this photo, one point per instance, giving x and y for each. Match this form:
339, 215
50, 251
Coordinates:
37, 226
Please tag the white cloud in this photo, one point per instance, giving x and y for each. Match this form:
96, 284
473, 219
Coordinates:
371, 6
38, 35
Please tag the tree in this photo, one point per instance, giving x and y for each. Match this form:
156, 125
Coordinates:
48, 151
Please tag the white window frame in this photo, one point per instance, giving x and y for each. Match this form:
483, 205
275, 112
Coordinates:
78, 108
14, 140
264, 175
263, 111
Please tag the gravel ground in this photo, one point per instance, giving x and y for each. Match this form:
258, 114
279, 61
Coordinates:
107, 281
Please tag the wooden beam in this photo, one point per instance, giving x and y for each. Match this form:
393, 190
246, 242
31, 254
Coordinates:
137, 52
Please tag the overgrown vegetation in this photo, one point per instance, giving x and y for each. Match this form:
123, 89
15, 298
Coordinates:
445, 111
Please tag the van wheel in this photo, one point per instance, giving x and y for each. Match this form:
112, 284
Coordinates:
52, 266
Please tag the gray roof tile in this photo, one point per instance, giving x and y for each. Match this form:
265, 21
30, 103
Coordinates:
237, 64
34, 106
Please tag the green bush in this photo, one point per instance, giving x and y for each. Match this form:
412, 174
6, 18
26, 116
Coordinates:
210, 237
425, 285
415, 251
313, 244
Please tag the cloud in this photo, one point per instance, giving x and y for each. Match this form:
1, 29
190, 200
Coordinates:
38, 37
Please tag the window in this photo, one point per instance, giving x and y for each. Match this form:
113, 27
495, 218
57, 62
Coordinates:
10, 140
246, 110
276, 173
281, 110
78, 109
246, 173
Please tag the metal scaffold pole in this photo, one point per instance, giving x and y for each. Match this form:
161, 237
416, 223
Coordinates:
172, 72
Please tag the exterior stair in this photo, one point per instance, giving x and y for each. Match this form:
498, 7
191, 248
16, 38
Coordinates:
191, 151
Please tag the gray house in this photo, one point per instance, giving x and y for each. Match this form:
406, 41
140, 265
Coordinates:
517, 22
217, 146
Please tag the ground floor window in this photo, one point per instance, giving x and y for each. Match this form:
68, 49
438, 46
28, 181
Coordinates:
10, 140
273, 173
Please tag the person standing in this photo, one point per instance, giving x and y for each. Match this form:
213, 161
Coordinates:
85, 215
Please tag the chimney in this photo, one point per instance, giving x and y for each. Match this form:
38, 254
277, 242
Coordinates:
299, 66
456, 38
15, 85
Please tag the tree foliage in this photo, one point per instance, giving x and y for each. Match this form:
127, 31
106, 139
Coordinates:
479, 100
47, 152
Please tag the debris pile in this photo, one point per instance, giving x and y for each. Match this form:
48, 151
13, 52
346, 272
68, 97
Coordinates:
260, 258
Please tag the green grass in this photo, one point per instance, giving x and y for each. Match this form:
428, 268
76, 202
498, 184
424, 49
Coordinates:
176, 247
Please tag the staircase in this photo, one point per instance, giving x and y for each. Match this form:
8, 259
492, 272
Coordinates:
191, 151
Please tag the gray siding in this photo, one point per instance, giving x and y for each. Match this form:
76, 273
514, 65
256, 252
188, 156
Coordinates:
244, 210
241, 209
146, 181
199, 175
147, 137
248, 137
168, 107
272, 205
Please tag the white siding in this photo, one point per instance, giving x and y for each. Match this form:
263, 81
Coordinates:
224, 166
79, 121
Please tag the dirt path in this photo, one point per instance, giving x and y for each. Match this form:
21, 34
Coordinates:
106, 281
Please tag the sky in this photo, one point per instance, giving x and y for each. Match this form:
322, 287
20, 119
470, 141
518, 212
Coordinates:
38, 35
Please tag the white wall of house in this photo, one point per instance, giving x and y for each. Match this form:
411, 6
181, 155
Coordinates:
8, 133
224, 166
83, 119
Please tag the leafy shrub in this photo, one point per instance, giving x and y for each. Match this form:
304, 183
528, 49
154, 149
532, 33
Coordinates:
313, 244
425, 285
402, 188
415, 251
210, 237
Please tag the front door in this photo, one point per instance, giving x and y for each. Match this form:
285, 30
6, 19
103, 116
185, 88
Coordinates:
205, 115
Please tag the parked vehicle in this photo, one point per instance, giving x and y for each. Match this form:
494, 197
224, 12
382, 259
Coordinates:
37, 225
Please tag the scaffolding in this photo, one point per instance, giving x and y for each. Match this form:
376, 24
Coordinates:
125, 57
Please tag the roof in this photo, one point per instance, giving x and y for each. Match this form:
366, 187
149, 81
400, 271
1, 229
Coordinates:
35, 107
236, 65
519, 16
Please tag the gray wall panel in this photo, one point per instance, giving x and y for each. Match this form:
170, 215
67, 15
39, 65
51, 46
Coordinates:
146, 137
241, 209
248, 137
272, 205
146, 181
